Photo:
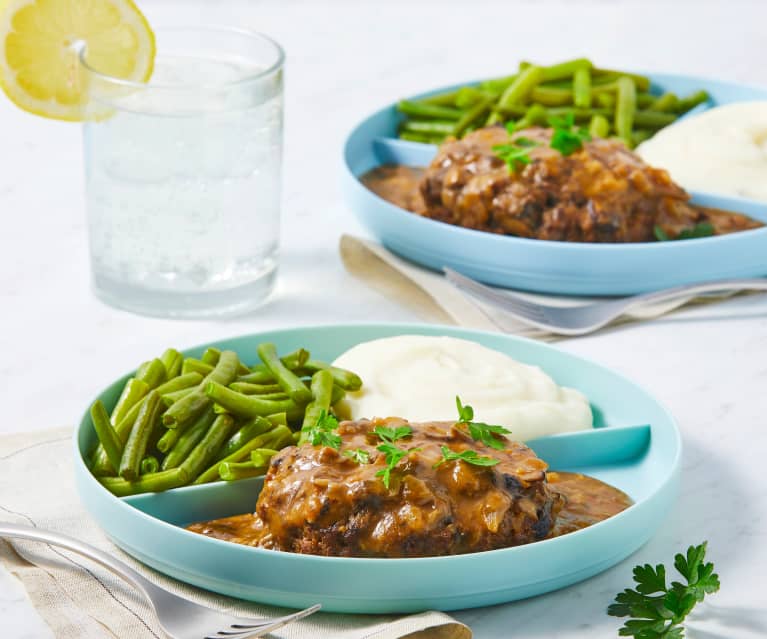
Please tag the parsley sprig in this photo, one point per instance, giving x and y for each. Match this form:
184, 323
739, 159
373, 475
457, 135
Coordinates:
479, 431
516, 153
658, 611
391, 435
393, 454
566, 138
323, 432
702, 229
469, 456
360, 455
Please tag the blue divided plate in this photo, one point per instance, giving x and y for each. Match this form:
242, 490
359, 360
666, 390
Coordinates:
567, 268
635, 446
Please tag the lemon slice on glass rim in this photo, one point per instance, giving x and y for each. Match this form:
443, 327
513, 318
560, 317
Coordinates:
41, 40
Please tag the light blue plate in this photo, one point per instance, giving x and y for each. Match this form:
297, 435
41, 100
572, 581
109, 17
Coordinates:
636, 447
567, 268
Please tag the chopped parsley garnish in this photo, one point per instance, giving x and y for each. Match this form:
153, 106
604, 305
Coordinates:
566, 138
360, 455
393, 455
516, 157
479, 431
702, 229
323, 432
391, 435
469, 456
658, 611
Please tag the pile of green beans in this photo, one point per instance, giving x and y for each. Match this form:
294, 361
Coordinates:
181, 421
612, 103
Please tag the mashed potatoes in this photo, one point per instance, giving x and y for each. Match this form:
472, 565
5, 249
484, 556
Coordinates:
723, 150
417, 377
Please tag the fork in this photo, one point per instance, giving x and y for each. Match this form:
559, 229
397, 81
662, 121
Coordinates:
180, 618
579, 320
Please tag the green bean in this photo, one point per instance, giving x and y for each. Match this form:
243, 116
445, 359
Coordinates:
640, 135
653, 119
566, 69
260, 374
211, 356
254, 389
289, 382
599, 127
493, 118
605, 100
169, 399
278, 419
468, 96
418, 109
185, 410
582, 88
668, 102
113, 447
550, 96
625, 108
262, 456
296, 437
132, 393
644, 100
691, 101
472, 115
345, 379
149, 465
522, 86
498, 85
437, 127
251, 405
421, 138
151, 483
253, 428
192, 365
232, 471
188, 380
177, 445
322, 390
152, 372
206, 451
440, 99
135, 447
641, 82
270, 439
172, 360
535, 115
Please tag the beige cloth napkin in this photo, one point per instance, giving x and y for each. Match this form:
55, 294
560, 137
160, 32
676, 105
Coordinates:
80, 600
431, 296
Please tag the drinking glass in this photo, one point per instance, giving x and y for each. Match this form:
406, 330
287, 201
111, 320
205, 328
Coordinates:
183, 175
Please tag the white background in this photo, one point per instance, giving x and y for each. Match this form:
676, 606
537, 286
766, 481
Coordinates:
59, 346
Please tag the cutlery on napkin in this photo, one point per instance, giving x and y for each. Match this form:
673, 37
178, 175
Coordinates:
431, 296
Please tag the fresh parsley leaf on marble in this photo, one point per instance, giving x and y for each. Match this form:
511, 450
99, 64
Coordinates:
658, 611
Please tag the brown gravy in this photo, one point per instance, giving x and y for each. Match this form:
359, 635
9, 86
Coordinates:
588, 501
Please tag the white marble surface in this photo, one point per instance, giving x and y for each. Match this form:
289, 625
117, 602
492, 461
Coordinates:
708, 365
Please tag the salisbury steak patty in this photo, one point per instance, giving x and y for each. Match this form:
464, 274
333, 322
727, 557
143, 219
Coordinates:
601, 193
317, 500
